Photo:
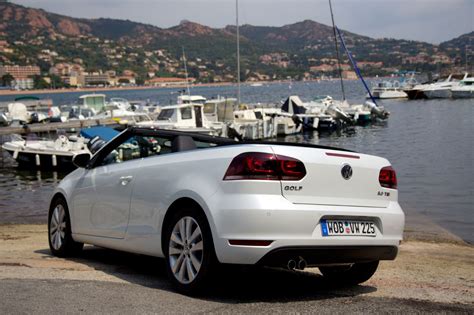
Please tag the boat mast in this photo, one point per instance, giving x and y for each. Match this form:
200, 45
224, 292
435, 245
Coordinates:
465, 56
337, 53
238, 50
186, 74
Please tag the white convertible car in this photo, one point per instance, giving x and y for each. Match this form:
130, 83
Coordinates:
199, 200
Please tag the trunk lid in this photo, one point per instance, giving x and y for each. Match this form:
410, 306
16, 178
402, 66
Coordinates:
325, 184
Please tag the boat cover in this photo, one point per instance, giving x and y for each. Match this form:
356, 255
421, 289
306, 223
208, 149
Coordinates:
293, 105
105, 133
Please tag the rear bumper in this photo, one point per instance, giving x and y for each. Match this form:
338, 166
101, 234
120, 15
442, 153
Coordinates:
295, 230
323, 255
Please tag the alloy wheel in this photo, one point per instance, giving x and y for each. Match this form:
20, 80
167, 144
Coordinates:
57, 227
186, 250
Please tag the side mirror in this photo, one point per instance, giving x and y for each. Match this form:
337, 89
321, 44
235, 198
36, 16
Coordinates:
81, 160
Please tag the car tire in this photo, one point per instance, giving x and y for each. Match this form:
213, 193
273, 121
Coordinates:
190, 259
60, 238
349, 275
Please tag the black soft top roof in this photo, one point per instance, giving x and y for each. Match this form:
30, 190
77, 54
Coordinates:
221, 141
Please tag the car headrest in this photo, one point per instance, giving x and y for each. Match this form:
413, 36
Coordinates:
182, 143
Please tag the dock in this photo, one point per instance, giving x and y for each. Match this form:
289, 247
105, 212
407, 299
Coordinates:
53, 126
30, 104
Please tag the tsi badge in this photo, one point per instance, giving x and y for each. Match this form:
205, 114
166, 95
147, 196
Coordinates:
346, 171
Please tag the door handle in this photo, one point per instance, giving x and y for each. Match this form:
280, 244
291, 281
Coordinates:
124, 180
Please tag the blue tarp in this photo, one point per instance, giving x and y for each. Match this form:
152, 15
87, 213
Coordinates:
105, 133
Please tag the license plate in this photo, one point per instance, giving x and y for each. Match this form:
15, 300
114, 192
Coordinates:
347, 228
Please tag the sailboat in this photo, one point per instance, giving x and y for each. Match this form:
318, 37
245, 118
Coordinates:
371, 107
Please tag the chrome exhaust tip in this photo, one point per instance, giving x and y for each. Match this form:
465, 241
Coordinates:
301, 263
291, 265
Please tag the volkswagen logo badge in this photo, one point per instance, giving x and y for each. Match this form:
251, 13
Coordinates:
346, 171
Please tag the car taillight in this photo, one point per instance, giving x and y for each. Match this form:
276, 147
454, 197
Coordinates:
265, 166
388, 177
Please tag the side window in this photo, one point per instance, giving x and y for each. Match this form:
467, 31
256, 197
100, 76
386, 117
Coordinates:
165, 114
203, 145
186, 113
138, 147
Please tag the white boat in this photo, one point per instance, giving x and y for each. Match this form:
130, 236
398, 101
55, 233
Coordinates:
322, 113
440, 89
309, 115
96, 102
359, 113
185, 117
465, 88
95, 106
220, 109
284, 123
17, 112
46, 154
388, 90
253, 124
188, 99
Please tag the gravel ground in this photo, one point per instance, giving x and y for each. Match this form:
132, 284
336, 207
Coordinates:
435, 277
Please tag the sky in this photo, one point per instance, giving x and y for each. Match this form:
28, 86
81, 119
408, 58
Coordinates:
432, 21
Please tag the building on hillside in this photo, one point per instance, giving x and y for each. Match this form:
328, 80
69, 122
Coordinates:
322, 68
4, 47
65, 69
168, 81
96, 79
23, 84
349, 75
129, 73
125, 80
20, 72
370, 64
75, 79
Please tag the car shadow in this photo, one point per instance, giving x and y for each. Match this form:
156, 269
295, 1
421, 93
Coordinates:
232, 284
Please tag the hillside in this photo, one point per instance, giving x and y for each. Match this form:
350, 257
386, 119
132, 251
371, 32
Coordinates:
303, 49
459, 46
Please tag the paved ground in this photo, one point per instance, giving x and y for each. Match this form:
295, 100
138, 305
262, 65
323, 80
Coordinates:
426, 277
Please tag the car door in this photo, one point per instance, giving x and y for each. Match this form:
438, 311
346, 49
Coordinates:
102, 197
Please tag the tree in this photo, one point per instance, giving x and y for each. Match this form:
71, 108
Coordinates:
57, 83
7, 79
139, 81
39, 82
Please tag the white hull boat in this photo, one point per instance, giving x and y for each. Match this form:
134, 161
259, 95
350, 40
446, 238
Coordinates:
388, 90
440, 92
188, 117
440, 89
465, 89
46, 154
388, 94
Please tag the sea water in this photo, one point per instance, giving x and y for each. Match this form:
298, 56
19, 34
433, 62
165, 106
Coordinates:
429, 143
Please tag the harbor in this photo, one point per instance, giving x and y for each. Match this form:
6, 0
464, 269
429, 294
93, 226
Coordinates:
164, 164
429, 186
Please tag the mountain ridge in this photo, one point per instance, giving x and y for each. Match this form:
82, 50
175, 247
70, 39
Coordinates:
282, 50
